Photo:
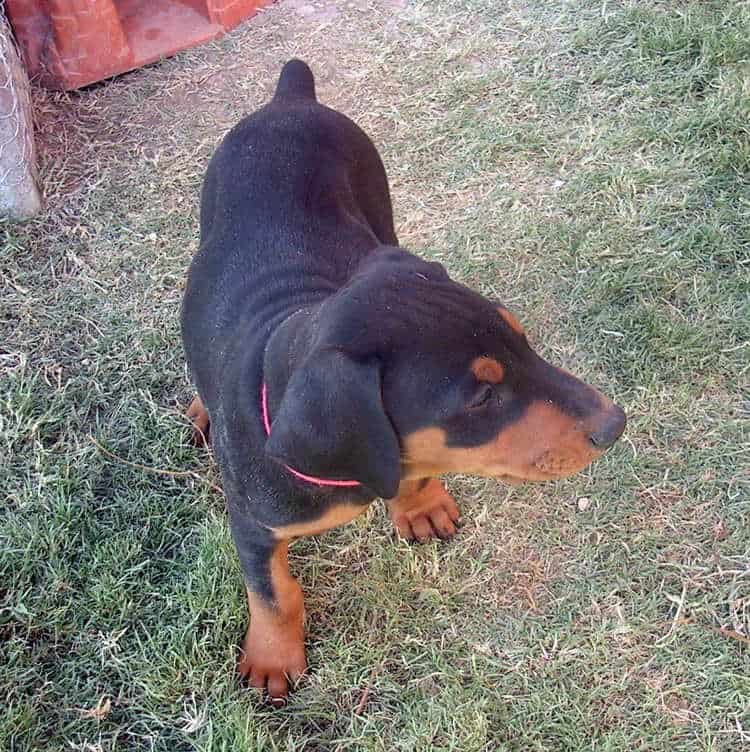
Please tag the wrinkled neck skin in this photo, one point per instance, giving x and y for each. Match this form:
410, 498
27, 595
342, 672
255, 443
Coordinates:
302, 331
288, 347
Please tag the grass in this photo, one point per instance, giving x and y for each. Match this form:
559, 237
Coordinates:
585, 162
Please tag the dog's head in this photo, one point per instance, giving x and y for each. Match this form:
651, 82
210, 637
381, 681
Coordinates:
408, 374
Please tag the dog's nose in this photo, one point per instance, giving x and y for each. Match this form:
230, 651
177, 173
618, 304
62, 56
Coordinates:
610, 429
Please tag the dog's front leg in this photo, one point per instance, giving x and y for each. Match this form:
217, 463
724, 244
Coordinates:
273, 651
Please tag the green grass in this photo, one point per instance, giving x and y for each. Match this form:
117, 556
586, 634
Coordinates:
585, 162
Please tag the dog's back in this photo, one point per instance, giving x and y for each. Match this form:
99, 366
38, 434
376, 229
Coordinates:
291, 162
294, 197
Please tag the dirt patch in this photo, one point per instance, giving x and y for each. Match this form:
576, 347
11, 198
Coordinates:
191, 99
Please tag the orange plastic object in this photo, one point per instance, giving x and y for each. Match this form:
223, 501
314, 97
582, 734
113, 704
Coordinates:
67, 44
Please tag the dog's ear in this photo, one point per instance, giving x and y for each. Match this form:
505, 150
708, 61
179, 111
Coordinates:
331, 423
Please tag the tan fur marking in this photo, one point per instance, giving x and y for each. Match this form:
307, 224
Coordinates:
273, 651
334, 517
512, 321
199, 417
542, 445
488, 369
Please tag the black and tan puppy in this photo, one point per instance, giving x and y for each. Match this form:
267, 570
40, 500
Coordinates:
337, 367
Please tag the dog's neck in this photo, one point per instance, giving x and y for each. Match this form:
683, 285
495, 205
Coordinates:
287, 347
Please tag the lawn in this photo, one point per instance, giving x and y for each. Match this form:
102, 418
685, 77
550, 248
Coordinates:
587, 163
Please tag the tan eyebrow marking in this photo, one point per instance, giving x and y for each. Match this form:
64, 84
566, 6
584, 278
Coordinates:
488, 369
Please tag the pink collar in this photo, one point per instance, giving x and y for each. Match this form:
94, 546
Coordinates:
301, 476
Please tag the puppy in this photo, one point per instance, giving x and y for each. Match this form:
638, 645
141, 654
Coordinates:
334, 367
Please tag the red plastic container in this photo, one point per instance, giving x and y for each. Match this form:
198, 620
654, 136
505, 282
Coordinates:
67, 44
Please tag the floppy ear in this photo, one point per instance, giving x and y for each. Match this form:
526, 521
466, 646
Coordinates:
331, 423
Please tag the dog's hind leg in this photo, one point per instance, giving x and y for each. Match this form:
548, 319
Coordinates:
201, 423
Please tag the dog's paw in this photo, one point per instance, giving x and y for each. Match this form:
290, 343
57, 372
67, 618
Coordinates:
272, 661
428, 512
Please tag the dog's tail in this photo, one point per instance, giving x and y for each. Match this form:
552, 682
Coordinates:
295, 82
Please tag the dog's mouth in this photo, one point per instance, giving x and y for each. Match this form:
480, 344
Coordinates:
536, 476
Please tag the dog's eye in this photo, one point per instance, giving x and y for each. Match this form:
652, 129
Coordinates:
482, 397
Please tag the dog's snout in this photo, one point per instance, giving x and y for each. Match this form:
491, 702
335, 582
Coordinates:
609, 429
